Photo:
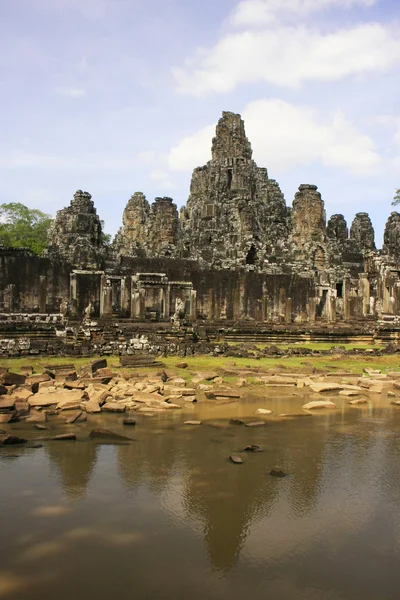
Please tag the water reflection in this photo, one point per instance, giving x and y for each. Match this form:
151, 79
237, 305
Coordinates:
172, 497
73, 463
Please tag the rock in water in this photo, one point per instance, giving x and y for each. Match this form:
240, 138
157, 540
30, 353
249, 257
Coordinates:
129, 421
64, 437
358, 401
319, 404
99, 434
10, 440
192, 423
236, 459
252, 448
277, 472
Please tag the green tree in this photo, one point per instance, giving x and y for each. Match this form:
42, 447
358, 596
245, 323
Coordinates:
105, 238
396, 199
23, 227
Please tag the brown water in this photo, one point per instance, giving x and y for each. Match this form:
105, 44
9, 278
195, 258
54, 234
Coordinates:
168, 516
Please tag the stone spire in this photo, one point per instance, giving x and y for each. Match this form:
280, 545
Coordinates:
230, 140
308, 215
337, 228
131, 239
163, 229
76, 233
362, 232
235, 214
391, 236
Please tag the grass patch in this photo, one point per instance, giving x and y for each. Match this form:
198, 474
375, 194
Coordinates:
351, 364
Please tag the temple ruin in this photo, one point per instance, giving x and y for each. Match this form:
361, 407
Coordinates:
235, 257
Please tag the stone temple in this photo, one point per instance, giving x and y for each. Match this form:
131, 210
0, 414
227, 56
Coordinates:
235, 258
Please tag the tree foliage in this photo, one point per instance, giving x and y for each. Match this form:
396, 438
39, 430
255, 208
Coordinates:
396, 199
23, 227
105, 238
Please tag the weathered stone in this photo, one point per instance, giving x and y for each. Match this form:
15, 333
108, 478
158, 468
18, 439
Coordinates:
222, 393
99, 433
325, 387
391, 236
9, 378
113, 407
60, 398
237, 422
337, 229
36, 417
73, 418
129, 421
36, 379
316, 404
65, 437
294, 415
362, 232
235, 215
253, 448
10, 440
255, 424
91, 406
277, 472
263, 411
192, 422
10, 417
76, 233
7, 402
358, 401
236, 459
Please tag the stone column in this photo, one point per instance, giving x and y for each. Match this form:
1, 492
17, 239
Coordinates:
346, 299
105, 297
365, 293
288, 311
42, 293
193, 308
162, 302
167, 301
73, 293
311, 309
332, 309
142, 303
125, 296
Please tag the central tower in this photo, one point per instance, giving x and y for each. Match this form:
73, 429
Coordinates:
235, 215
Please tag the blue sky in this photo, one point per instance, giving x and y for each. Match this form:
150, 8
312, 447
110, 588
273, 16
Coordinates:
118, 96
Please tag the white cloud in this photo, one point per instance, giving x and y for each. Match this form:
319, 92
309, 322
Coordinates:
285, 136
288, 57
193, 150
162, 178
71, 92
256, 13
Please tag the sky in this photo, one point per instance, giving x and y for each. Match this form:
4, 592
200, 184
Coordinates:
118, 96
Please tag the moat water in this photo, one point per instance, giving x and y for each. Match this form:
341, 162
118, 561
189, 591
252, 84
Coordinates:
168, 516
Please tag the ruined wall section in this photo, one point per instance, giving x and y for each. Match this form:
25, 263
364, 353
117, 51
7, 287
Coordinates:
163, 228
362, 232
308, 239
131, 239
391, 236
75, 235
235, 216
148, 231
31, 284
